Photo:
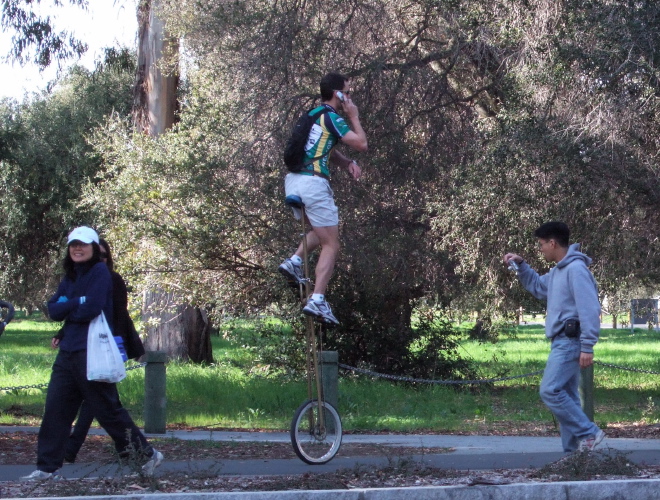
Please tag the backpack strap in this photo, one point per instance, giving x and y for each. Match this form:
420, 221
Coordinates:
312, 160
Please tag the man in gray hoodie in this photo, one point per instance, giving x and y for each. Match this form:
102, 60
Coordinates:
572, 324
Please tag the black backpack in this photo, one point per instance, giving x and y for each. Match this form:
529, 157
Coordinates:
294, 152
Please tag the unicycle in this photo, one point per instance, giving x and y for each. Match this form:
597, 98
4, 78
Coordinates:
6, 314
316, 430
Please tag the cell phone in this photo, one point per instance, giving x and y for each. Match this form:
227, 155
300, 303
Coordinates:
340, 96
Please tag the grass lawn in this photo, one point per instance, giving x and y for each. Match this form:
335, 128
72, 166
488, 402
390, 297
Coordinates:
234, 393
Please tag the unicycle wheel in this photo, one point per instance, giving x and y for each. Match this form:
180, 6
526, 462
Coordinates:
315, 444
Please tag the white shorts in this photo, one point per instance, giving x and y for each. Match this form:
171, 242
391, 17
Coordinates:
316, 193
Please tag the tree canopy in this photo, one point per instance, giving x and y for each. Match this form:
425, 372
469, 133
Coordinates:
35, 38
484, 120
45, 160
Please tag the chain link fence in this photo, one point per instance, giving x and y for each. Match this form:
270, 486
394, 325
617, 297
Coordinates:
400, 378
618, 367
44, 385
397, 378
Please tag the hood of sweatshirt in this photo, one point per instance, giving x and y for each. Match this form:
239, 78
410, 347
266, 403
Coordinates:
573, 255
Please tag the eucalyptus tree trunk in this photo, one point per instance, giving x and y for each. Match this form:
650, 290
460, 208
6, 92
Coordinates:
181, 330
157, 73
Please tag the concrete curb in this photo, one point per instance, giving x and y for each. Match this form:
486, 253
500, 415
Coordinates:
576, 490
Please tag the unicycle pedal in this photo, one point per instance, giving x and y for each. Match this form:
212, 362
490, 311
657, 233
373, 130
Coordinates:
293, 284
325, 322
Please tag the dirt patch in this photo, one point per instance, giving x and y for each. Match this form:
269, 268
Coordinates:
399, 473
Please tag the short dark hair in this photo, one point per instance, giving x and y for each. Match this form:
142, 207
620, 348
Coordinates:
554, 230
330, 83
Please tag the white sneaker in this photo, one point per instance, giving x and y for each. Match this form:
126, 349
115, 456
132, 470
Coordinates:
292, 272
155, 460
39, 475
592, 441
321, 311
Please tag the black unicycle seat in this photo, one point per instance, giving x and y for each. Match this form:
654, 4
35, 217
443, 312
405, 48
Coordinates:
294, 201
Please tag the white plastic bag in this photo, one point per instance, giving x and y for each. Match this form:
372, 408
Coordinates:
104, 362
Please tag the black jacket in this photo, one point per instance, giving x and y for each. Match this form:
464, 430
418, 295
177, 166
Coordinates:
121, 320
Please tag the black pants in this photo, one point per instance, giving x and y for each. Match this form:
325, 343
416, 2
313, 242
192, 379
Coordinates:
79, 433
67, 389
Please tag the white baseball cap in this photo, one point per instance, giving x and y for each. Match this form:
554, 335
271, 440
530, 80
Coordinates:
84, 234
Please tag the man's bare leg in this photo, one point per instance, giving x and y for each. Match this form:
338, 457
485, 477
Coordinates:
313, 242
328, 238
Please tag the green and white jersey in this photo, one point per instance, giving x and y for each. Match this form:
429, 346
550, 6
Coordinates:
325, 133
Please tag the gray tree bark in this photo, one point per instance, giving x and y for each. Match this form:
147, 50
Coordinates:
182, 331
157, 74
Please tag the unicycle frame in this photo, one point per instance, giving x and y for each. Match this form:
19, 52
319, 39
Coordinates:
311, 348
316, 428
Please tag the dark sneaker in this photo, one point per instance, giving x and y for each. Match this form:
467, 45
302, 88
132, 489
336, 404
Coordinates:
591, 442
39, 475
321, 311
155, 460
292, 272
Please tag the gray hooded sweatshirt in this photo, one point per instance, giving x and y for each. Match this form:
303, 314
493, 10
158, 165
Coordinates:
571, 293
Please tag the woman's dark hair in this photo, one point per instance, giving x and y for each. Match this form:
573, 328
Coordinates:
106, 248
69, 265
554, 230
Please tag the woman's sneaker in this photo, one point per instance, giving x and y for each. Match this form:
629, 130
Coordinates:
39, 475
155, 460
292, 272
321, 311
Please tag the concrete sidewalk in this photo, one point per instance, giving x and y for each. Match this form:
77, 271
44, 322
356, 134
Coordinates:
468, 453
462, 445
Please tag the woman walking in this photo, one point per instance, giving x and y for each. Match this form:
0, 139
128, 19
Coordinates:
84, 292
132, 349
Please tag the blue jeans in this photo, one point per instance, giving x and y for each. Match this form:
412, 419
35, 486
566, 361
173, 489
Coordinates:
559, 391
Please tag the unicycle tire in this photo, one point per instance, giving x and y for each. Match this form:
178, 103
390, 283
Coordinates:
312, 444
